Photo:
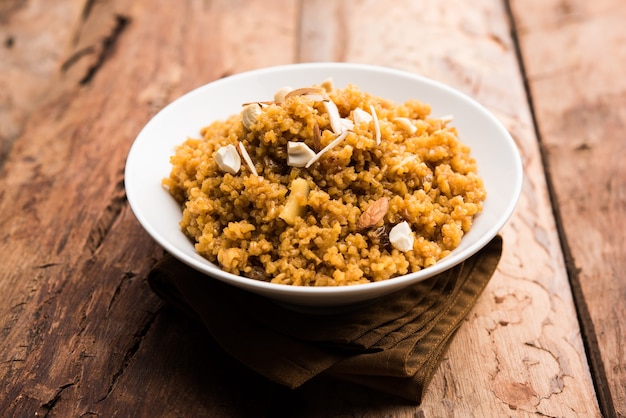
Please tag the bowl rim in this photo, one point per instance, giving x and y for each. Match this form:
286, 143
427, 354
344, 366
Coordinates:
398, 282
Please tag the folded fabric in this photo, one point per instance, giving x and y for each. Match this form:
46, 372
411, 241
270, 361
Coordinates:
393, 345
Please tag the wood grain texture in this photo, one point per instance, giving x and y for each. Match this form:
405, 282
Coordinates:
579, 92
30, 56
82, 335
76, 307
527, 308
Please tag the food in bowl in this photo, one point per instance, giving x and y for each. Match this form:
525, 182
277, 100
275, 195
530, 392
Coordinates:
326, 186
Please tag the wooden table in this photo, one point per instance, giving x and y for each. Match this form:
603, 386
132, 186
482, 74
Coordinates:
81, 334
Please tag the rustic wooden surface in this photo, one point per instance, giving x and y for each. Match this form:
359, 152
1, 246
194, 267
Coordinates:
579, 95
81, 333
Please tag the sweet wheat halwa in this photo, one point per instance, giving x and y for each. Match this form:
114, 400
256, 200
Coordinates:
326, 186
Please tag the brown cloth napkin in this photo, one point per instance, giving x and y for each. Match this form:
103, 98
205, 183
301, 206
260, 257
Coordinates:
393, 345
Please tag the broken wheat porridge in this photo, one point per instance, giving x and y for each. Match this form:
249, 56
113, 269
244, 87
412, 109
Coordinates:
325, 187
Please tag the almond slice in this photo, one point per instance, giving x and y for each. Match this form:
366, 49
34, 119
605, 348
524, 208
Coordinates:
314, 91
333, 115
328, 147
247, 159
374, 213
260, 103
376, 124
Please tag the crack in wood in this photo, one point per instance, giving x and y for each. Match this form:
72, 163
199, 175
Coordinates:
76, 56
125, 278
130, 354
589, 338
108, 47
47, 265
87, 8
106, 221
45, 408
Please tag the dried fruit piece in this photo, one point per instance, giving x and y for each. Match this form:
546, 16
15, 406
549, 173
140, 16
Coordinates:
374, 213
401, 237
249, 114
298, 154
227, 159
296, 202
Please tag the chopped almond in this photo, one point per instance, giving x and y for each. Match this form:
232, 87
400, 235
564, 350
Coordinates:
333, 115
361, 116
317, 93
328, 147
401, 237
374, 213
247, 159
376, 125
298, 154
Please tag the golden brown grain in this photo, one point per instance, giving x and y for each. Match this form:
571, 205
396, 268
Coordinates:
425, 175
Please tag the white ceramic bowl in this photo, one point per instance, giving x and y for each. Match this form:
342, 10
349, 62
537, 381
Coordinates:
497, 157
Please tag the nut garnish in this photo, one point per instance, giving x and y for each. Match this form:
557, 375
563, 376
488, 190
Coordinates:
361, 116
328, 147
446, 119
296, 202
298, 154
333, 115
376, 124
249, 114
347, 124
328, 85
247, 159
227, 159
279, 96
259, 102
406, 125
317, 138
401, 237
374, 213
314, 93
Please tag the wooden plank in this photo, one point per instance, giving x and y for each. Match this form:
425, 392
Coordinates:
76, 307
579, 95
528, 308
30, 55
81, 332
